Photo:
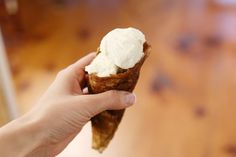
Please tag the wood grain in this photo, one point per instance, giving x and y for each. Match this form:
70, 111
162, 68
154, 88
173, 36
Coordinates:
187, 89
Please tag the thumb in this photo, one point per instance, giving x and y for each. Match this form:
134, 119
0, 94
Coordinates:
110, 100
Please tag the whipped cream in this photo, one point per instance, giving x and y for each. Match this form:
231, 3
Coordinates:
120, 48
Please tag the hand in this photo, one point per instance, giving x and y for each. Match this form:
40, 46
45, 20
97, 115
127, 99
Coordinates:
64, 109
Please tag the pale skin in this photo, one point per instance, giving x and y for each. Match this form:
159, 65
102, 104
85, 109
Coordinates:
59, 115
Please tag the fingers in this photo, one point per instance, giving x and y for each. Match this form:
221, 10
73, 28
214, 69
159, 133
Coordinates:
79, 66
84, 61
76, 70
110, 100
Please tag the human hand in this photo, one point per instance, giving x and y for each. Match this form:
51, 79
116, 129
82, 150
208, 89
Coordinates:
65, 109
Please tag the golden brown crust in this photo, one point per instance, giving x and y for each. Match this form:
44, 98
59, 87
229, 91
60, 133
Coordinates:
105, 124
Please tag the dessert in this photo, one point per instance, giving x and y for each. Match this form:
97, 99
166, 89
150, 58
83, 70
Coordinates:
116, 67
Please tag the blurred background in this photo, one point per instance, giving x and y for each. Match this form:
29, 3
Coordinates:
187, 90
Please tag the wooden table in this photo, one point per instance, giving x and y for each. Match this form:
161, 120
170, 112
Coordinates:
187, 91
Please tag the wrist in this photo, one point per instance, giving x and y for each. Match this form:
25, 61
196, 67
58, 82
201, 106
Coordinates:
20, 137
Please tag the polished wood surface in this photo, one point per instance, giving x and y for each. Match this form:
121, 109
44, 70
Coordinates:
4, 114
186, 95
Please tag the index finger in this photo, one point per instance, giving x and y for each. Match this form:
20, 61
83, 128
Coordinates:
78, 67
84, 61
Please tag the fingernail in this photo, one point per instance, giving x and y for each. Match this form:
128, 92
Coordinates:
130, 99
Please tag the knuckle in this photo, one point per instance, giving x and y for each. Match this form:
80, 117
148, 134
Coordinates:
115, 97
113, 94
61, 73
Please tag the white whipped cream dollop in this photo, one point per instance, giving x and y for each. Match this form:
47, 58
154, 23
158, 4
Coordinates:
120, 48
